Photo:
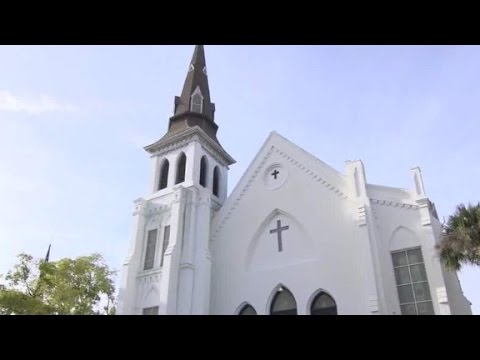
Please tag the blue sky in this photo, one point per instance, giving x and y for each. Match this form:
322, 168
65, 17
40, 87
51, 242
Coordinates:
74, 119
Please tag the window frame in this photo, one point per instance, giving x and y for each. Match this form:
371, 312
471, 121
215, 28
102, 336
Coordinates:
179, 177
203, 180
154, 309
216, 181
154, 250
162, 176
245, 306
197, 94
411, 283
165, 242
275, 294
314, 298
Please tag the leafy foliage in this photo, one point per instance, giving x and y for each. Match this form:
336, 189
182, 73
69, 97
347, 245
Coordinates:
66, 287
461, 241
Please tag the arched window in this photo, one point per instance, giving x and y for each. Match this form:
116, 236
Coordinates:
412, 282
247, 310
197, 102
216, 181
164, 175
323, 304
150, 249
181, 166
203, 171
283, 303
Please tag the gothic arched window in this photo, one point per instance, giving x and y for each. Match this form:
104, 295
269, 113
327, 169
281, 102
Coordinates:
164, 175
181, 167
323, 304
247, 310
216, 181
283, 303
203, 171
197, 102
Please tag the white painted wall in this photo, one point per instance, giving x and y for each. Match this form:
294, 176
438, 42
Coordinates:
321, 249
342, 232
181, 285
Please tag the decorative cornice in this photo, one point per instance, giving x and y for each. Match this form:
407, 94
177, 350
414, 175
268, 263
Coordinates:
425, 214
154, 209
376, 220
393, 203
138, 212
203, 199
173, 144
183, 138
225, 159
150, 275
230, 210
313, 175
362, 215
139, 207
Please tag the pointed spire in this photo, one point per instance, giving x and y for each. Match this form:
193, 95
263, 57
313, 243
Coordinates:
198, 58
193, 109
47, 257
196, 89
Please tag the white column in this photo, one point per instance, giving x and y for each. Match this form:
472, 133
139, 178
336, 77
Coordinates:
131, 266
192, 168
171, 262
224, 183
201, 287
187, 268
358, 189
432, 261
155, 174
172, 171
418, 180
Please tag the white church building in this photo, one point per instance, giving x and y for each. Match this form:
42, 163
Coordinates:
295, 236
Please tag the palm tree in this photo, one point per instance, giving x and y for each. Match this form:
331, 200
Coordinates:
461, 239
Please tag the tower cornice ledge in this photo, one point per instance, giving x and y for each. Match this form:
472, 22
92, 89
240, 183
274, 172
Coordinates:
165, 145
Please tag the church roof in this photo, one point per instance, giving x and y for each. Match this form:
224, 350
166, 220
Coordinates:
196, 78
194, 106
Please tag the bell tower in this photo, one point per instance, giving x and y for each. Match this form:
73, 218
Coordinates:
167, 270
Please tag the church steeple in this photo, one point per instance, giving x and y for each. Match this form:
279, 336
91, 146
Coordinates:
196, 83
194, 106
193, 109
172, 226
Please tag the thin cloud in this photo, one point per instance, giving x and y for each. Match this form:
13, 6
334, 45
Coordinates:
42, 104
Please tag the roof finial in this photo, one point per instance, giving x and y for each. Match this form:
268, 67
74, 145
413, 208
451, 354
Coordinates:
198, 58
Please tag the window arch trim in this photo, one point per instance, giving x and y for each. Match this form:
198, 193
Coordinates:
162, 177
196, 106
216, 182
203, 181
273, 297
243, 306
315, 295
181, 170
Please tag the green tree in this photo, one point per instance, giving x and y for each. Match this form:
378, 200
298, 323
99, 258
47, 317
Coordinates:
461, 239
65, 287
